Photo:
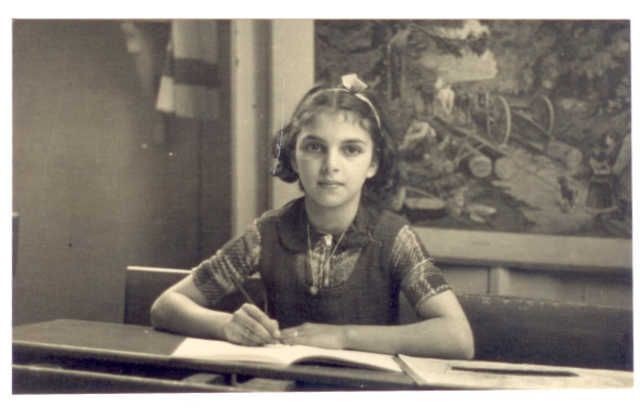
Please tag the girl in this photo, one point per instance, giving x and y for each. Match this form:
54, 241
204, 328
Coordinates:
334, 261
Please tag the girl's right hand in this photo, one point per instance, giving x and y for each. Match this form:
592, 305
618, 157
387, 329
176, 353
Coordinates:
250, 326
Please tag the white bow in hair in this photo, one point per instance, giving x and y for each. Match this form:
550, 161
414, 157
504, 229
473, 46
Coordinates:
353, 83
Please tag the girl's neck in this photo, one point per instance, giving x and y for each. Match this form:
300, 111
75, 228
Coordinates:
333, 220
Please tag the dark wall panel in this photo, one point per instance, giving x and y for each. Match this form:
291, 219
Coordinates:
93, 190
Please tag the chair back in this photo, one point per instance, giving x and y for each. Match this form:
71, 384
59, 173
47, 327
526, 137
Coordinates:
144, 285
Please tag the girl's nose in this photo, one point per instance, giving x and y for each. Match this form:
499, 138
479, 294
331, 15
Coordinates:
331, 161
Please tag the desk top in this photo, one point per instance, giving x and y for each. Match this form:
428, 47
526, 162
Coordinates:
123, 343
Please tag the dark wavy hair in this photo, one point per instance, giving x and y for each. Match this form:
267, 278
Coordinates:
379, 189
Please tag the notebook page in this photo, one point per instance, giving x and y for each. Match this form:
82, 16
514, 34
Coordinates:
217, 350
281, 354
356, 358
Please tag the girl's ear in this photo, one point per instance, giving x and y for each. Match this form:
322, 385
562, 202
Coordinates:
373, 168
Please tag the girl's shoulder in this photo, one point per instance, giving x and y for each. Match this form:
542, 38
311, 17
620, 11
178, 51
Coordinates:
393, 218
284, 225
288, 210
387, 223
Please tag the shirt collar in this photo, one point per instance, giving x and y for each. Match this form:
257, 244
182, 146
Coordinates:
292, 227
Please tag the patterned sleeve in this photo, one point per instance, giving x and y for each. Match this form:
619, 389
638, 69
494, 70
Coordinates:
239, 257
419, 278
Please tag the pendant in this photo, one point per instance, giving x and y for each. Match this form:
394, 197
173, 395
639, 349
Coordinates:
313, 289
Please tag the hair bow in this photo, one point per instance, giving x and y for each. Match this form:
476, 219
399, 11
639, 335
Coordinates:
353, 83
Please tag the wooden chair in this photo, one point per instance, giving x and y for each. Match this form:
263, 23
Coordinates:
510, 329
548, 332
144, 285
537, 331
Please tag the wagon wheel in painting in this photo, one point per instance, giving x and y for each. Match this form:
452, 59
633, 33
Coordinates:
542, 112
498, 119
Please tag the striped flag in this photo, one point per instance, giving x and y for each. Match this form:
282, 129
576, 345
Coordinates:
190, 82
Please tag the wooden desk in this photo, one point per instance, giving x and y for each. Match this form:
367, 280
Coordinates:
71, 356
74, 349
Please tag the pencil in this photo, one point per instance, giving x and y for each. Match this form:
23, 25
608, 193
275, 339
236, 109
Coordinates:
241, 288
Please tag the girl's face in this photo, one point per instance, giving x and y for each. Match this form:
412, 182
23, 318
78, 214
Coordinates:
333, 158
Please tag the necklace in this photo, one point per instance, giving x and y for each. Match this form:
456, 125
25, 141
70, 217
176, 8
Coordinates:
321, 278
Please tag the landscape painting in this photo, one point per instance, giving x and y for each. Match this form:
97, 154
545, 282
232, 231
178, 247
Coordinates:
502, 125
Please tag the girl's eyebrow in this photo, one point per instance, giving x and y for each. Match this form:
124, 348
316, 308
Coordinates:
313, 137
346, 141
355, 141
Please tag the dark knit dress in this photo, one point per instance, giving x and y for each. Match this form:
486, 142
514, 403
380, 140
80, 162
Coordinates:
379, 256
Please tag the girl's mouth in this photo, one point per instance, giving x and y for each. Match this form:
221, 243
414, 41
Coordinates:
329, 183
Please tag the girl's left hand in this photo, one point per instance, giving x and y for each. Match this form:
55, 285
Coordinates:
314, 334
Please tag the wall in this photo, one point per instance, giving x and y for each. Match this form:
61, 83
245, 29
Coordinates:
291, 76
93, 190
249, 120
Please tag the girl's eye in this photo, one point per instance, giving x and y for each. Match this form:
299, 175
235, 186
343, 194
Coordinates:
352, 150
312, 147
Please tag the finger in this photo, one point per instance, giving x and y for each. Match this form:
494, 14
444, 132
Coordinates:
289, 332
299, 340
235, 332
238, 335
244, 319
291, 335
274, 329
250, 339
254, 332
261, 317
243, 335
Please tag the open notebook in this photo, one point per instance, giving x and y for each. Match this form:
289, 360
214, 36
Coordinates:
280, 354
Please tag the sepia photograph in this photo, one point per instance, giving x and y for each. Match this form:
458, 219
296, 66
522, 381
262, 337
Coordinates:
295, 205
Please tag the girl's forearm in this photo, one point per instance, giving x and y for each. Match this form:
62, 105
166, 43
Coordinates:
438, 337
175, 312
